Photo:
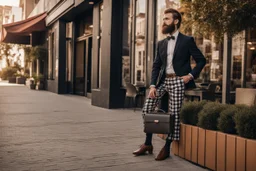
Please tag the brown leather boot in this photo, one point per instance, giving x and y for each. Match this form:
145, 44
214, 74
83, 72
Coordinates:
163, 154
143, 149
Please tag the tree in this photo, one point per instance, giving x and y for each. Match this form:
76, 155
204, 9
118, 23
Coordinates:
220, 16
6, 52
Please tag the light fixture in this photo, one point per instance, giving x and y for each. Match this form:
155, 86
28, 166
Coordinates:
91, 3
249, 43
91, 26
252, 48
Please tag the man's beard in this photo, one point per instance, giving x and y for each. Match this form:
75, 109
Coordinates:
168, 29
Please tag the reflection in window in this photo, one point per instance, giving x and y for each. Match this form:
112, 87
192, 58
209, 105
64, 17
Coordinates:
127, 20
85, 25
99, 55
140, 42
251, 59
51, 55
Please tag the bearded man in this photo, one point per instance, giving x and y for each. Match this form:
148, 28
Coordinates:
172, 74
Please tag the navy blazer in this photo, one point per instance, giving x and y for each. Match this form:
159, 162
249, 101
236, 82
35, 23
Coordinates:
185, 48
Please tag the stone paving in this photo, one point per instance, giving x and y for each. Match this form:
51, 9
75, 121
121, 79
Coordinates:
43, 131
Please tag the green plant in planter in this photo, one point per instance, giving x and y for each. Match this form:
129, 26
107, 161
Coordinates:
226, 121
190, 110
245, 120
208, 116
35, 78
40, 84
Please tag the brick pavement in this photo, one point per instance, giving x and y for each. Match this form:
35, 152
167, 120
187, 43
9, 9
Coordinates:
43, 131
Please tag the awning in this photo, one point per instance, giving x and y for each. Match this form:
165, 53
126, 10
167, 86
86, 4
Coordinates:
19, 32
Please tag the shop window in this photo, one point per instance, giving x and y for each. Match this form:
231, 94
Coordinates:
140, 44
100, 43
127, 27
85, 25
51, 56
251, 58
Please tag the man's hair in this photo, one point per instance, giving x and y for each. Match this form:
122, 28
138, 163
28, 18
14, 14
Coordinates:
176, 15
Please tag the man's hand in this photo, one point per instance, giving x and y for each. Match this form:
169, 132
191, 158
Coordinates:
152, 92
186, 78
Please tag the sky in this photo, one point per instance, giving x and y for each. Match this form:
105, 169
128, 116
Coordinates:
10, 2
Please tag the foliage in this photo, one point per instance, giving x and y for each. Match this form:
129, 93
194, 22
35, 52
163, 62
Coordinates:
34, 53
8, 72
17, 66
226, 121
245, 120
6, 52
38, 52
37, 78
208, 116
27, 55
219, 16
189, 112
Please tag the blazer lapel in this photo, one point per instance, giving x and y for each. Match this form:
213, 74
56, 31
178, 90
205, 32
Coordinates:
179, 40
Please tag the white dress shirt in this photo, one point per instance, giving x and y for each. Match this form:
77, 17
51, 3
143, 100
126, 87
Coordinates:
170, 52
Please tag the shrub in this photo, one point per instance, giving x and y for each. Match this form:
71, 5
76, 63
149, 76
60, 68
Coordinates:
189, 112
245, 120
208, 116
226, 121
8, 72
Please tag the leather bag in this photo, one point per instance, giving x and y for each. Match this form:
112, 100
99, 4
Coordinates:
158, 122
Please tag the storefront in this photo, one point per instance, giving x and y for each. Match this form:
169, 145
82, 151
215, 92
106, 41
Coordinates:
144, 30
84, 47
143, 25
95, 47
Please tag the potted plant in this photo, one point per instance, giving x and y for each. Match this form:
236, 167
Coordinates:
40, 83
33, 82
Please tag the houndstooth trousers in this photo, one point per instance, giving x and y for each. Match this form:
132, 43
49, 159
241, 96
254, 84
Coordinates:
175, 87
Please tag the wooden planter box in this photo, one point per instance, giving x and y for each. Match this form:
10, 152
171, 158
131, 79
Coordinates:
215, 150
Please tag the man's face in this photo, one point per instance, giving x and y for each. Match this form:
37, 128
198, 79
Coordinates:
169, 24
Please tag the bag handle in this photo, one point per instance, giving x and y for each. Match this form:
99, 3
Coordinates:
161, 110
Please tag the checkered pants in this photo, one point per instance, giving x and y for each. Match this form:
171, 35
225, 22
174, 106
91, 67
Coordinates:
176, 88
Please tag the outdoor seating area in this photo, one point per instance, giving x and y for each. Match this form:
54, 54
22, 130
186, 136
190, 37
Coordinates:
209, 91
136, 95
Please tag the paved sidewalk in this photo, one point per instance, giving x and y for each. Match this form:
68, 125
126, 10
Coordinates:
43, 131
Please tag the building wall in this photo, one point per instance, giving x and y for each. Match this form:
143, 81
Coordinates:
27, 7
39, 8
57, 56
17, 14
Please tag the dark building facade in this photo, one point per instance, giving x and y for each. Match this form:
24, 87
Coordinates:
84, 50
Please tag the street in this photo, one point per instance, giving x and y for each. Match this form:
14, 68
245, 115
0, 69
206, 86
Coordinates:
43, 131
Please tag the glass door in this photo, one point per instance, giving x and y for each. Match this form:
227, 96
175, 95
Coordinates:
79, 68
